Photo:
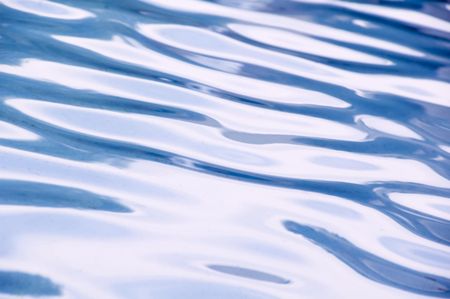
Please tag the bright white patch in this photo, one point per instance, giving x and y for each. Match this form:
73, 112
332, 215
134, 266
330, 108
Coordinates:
388, 126
305, 44
48, 9
10, 131
430, 204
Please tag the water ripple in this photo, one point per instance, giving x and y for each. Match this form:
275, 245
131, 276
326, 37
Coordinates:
224, 149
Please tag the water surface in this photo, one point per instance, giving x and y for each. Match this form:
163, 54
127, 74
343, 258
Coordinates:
224, 149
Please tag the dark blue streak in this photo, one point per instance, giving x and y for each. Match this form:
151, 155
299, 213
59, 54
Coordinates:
45, 195
24, 284
372, 266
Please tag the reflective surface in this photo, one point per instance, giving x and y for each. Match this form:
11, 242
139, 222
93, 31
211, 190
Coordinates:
224, 149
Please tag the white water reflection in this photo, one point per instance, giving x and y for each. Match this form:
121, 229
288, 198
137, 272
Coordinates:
224, 149
48, 9
302, 43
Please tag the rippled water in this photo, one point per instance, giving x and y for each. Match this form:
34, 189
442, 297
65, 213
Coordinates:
224, 149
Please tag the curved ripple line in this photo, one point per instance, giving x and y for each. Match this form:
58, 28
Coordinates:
372, 266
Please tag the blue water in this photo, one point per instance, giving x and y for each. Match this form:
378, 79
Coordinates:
235, 149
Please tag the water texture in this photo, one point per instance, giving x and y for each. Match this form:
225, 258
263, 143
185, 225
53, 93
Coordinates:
235, 149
